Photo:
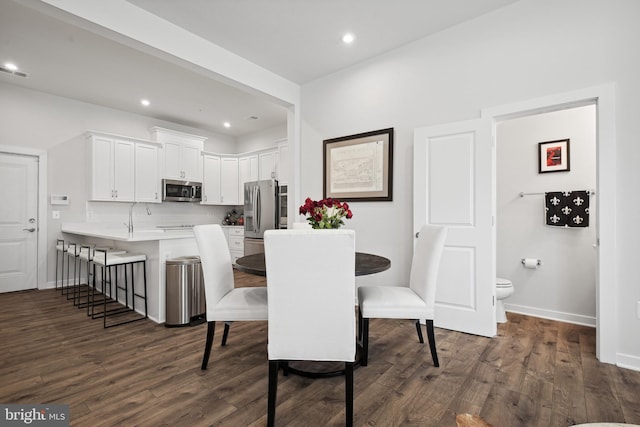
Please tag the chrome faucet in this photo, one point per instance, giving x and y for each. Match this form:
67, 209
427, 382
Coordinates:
130, 224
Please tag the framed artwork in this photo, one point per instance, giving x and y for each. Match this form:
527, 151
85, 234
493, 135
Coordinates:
553, 156
359, 167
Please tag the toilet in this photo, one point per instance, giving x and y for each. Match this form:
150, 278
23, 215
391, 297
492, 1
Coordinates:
504, 289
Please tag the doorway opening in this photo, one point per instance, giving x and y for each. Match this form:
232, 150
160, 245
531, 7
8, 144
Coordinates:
603, 97
560, 283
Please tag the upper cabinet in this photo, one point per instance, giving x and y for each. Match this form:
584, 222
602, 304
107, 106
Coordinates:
147, 173
247, 172
211, 179
111, 168
181, 154
122, 169
229, 181
268, 163
220, 183
224, 175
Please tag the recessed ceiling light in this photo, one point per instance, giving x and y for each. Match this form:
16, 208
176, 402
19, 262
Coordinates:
348, 38
145, 102
227, 124
11, 68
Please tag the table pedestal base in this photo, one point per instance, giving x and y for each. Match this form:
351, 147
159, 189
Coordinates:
318, 369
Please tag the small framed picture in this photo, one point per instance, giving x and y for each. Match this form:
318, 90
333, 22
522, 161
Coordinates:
553, 156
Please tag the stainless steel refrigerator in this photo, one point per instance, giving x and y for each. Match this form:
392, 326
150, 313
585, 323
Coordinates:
261, 213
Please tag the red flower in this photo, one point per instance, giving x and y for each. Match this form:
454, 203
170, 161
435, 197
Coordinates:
325, 213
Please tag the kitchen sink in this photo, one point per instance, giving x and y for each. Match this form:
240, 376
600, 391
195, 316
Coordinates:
183, 227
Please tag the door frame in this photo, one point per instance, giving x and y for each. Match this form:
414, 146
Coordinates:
41, 273
606, 270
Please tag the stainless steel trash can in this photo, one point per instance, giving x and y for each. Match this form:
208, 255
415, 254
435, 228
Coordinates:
185, 300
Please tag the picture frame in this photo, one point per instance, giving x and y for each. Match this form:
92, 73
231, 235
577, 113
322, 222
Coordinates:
359, 167
554, 156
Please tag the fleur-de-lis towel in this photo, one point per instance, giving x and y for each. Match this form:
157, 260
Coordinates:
567, 208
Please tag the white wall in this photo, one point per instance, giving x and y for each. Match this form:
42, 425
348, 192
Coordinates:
39, 120
261, 140
55, 124
563, 287
530, 49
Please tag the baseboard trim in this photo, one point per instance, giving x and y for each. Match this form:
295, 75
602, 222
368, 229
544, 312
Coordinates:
628, 361
560, 316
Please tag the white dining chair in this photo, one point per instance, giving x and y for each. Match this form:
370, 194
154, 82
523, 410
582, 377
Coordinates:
225, 303
301, 226
416, 301
311, 287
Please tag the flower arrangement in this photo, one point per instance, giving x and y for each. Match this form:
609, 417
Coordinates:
325, 213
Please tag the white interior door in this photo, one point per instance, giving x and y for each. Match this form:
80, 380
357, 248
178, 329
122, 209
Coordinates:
18, 222
452, 186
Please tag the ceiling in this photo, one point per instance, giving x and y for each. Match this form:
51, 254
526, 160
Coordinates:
299, 40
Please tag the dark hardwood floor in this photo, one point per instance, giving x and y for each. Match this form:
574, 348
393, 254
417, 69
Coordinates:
536, 372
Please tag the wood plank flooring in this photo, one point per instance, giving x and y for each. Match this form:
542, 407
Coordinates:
536, 372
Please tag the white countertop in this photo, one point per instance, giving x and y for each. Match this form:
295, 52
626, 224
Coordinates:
121, 234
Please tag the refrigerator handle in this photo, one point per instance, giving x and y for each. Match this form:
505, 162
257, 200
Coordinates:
253, 207
256, 208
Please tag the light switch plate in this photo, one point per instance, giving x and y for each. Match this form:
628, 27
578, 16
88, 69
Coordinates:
55, 214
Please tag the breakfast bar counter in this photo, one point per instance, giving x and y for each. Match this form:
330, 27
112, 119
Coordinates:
158, 245
122, 235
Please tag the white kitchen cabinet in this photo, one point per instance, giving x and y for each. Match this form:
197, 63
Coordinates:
111, 168
229, 181
235, 239
211, 190
182, 161
220, 179
268, 162
147, 173
181, 154
247, 172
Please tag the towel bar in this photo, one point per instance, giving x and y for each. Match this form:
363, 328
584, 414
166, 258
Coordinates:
522, 193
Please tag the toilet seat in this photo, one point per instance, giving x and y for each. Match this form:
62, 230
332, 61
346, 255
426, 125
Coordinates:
503, 283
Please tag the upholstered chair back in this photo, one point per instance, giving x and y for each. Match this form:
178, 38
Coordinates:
426, 263
217, 269
311, 294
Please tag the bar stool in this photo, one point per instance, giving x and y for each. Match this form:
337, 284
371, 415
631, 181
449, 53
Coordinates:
62, 253
109, 262
61, 250
73, 252
87, 252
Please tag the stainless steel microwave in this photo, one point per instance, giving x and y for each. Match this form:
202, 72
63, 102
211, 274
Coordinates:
181, 191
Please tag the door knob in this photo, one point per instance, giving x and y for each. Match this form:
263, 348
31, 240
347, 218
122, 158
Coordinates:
30, 230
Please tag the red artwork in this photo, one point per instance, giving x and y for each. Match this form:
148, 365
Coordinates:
554, 156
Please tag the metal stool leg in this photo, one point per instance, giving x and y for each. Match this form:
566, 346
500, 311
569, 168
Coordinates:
109, 265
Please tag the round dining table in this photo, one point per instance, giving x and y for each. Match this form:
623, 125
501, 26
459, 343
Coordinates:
365, 264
